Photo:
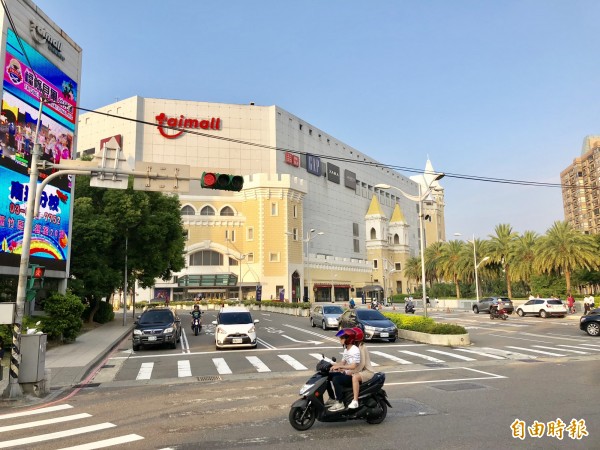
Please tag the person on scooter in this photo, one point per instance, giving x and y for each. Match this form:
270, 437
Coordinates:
364, 371
196, 313
341, 374
409, 307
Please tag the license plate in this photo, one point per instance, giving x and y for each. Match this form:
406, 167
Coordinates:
384, 334
151, 338
236, 341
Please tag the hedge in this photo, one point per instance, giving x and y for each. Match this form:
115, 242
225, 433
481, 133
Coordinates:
423, 324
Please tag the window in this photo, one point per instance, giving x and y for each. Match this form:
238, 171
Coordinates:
274, 209
373, 233
356, 246
186, 234
250, 234
374, 264
396, 239
206, 258
355, 229
397, 266
207, 211
233, 262
230, 235
227, 211
187, 210
295, 234
274, 257
250, 257
295, 211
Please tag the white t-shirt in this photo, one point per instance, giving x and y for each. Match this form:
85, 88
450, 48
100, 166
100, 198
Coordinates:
351, 355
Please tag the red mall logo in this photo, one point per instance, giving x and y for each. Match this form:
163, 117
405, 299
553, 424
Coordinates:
182, 122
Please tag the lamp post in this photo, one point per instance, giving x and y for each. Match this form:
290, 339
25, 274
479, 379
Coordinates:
475, 265
310, 235
419, 199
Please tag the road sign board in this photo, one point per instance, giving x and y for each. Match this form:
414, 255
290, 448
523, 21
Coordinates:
161, 177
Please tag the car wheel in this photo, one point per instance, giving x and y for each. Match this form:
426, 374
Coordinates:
324, 325
136, 347
475, 309
543, 314
520, 312
593, 329
393, 340
174, 345
312, 322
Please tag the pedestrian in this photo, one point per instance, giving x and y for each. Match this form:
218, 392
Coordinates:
531, 297
427, 301
571, 303
586, 305
592, 301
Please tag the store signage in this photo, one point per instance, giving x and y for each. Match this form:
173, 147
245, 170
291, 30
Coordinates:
313, 164
349, 179
183, 122
333, 173
292, 160
41, 35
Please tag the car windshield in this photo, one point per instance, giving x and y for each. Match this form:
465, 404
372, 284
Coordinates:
235, 318
150, 317
369, 314
333, 310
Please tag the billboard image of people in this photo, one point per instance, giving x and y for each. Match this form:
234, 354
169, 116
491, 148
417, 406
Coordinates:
28, 76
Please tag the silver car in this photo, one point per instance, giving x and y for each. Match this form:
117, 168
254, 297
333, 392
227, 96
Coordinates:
325, 316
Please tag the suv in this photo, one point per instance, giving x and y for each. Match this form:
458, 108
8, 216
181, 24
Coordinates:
157, 326
485, 304
234, 327
543, 307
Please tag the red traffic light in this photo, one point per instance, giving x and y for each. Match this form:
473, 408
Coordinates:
39, 272
222, 181
209, 180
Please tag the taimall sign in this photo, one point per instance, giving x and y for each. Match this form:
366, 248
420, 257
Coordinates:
175, 124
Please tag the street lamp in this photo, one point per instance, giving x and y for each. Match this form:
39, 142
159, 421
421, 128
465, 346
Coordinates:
310, 235
239, 260
475, 264
419, 199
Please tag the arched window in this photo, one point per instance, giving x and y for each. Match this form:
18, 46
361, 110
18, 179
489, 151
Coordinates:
206, 258
227, 211
187, 210
207, 211
373, 233
396, 239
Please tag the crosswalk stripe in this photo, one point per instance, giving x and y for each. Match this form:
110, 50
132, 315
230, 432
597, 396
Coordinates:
106, 442
427, 357
392, 357
39, 423
184, 369
35, 411
56, 435
292, 362
489, 355
594, 346
258, 364
535, 351
145, 371
562, 349
221, 366
464, 358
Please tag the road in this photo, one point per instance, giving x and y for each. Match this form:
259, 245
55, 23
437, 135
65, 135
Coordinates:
439, 399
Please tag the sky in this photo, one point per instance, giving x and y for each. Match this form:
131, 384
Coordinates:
494, 89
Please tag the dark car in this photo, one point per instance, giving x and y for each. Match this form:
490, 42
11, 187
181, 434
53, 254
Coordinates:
157, 326
591, 322
374, 324
326, 316
485, 304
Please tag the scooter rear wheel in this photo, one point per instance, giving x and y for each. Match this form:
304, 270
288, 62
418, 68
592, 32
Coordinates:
302, 418
381, 417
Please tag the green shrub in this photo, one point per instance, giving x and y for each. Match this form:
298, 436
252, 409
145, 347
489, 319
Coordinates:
105, 313
63, 320
423, 324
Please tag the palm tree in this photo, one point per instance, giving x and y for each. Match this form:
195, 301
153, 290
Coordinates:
524, 256
564, 249
502, 248
452, 262
433, 253
412, 269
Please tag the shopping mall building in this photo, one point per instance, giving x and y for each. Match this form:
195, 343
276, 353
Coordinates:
308, 223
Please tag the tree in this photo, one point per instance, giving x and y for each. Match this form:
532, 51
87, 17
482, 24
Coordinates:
433, 254
563, 249
412, 269
501, 250
452, 262
524, 256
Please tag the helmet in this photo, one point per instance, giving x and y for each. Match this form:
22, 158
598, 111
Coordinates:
359, 335
196, 306
347, 333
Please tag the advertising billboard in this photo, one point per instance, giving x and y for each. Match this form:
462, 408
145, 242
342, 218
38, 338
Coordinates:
27, 76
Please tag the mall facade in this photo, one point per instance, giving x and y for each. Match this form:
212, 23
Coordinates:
308, 223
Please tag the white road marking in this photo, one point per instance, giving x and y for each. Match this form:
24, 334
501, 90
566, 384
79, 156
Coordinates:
145, 371
265, 344
489, 355
314, 333
258, 364
535, 351
35, 411
184, 369
427, 357
464, 358
562, 349
39, 423
56, 435
221, 366
594, 346
488, 377
293, 362
392, 357
106, 442
185, 345
301, 342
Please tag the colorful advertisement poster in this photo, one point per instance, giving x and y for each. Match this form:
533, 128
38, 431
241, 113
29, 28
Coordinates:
29, 76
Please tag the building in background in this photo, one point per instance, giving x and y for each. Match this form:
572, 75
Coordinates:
37, 57
580, 182
308, 224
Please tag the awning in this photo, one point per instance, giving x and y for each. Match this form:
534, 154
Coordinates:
322, 285
371, 288
342, 286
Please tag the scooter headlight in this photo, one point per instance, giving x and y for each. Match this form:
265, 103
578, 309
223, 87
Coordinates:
304, 389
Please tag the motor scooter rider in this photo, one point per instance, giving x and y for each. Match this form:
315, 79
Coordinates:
410, 306
495, 308
364, 371
351, 303
341, 373
196, 313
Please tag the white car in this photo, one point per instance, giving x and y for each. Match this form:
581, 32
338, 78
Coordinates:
543, 307
234, 327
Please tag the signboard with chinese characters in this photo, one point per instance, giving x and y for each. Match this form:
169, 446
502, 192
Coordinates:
26, 79
292, 160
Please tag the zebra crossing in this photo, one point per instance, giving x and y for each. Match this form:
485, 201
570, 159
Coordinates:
26, 428
265, 362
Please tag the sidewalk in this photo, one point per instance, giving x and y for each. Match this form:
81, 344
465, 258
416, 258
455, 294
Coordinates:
70, 363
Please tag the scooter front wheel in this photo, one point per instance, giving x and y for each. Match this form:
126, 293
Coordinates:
302, 418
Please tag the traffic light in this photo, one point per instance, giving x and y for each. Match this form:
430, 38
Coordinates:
36, 281
222, 181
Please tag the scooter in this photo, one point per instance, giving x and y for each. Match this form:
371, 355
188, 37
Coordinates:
409, 309
498, 314
196, 324
372, 401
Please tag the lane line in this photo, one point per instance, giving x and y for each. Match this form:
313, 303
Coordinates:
426, 357
321, 336
56, 435
265, 344
392, 357
38, 423
293, 362
535, 351
221, 366
464, 358
106, 442
185, 345
258, 364
145, 371
184, 369
35, 411
489, 355
562, 349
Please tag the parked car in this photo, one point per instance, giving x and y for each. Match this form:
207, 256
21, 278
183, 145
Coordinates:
325, 316
590, 323
543, 307
485, 303
157, 326
234, 327
374, 324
